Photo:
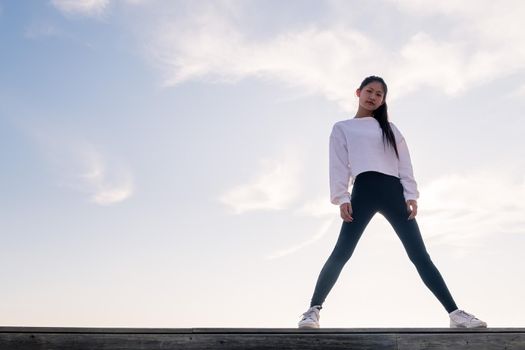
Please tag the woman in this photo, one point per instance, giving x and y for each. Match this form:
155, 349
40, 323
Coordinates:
372, 151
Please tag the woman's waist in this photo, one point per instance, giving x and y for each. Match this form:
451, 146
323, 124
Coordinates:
375, 174
373, 182
376, 179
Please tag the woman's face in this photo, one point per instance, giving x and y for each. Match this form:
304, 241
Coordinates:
371, 96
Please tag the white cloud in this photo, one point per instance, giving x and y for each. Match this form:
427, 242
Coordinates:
104, 187
424, 60
90, 8
318, 207
293, 249
474, 43
276, 184
80, 166
208, 46
488, 36
459, 209
480, 43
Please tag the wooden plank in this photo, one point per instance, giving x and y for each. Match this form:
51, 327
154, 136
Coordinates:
78, 338
463, 341
77, 341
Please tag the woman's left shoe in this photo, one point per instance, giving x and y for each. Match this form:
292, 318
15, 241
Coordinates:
310, 319
462, 319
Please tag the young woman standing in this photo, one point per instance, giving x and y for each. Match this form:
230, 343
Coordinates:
370, 150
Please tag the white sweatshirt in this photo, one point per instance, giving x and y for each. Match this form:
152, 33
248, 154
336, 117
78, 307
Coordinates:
356, 146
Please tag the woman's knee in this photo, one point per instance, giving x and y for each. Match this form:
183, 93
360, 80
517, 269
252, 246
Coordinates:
340, 255
421, 258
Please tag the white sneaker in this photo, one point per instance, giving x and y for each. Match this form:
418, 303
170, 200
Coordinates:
462, 319
311, 317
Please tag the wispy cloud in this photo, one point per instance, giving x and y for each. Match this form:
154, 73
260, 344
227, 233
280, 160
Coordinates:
323, 229
317, 207
481, 41
276, 183
329, 60
207, 40
208, 45
459, 209
89, 8
104, 184
80, 166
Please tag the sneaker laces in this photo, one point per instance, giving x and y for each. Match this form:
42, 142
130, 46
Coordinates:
309, 314
470, 317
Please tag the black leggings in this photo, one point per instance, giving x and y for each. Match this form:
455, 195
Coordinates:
374, 192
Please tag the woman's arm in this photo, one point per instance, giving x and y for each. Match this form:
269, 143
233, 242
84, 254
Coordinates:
339, 169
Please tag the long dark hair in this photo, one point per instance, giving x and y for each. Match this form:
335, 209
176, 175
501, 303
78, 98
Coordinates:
381, 113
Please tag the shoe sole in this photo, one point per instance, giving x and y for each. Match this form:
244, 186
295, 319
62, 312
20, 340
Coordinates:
309, 326
480, 326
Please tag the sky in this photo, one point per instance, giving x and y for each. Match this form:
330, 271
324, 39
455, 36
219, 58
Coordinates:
165, 163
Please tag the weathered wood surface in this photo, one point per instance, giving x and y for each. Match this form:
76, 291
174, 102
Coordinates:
76, 338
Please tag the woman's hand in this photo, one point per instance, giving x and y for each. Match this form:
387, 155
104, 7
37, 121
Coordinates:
346, 212
412, 208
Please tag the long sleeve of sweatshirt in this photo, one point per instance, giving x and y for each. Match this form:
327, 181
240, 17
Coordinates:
405, 170
356, 146
339, 169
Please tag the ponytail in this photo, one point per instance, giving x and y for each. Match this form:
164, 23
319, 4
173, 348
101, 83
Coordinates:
381, 114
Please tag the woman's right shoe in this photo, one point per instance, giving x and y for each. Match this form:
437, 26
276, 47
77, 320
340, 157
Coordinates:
310, 319
462, 319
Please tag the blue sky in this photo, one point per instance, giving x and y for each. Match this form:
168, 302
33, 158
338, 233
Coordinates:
165, 163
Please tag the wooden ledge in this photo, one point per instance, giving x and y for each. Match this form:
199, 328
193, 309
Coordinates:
76, 338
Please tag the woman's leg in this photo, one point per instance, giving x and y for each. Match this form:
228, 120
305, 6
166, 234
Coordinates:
395, 211
364, 207
348, 237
